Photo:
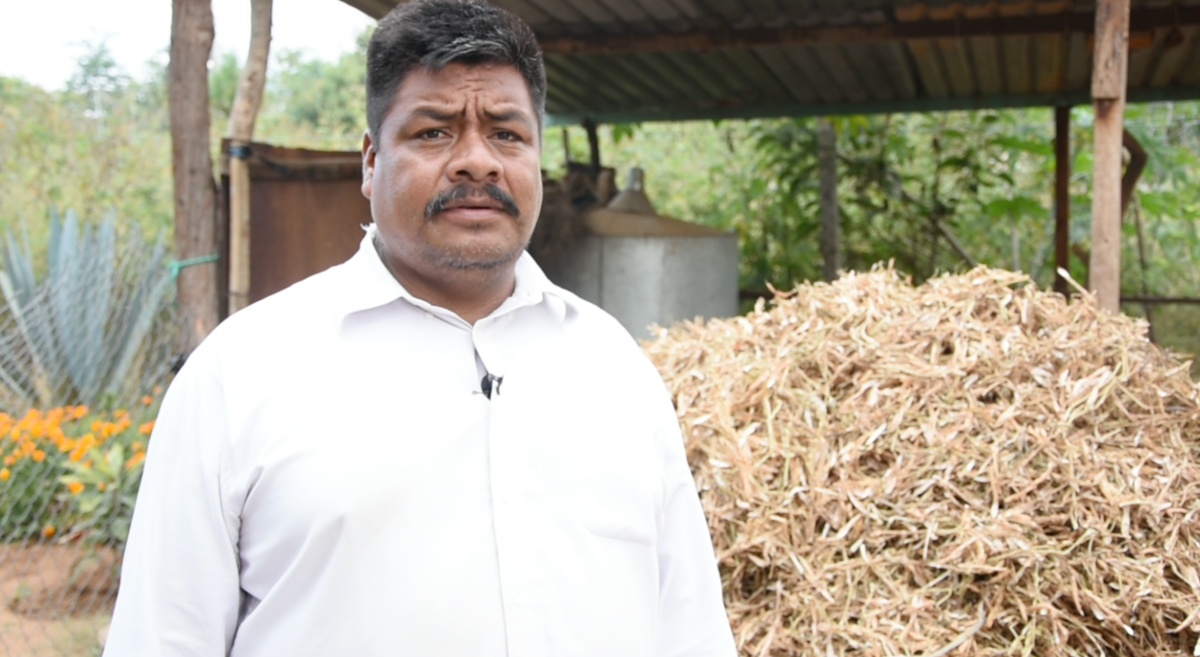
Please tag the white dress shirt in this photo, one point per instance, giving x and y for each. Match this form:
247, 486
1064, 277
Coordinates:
325, 478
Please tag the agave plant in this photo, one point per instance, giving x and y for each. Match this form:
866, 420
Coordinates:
94, 327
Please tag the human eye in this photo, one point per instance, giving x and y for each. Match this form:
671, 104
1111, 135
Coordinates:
508, 135
432, 133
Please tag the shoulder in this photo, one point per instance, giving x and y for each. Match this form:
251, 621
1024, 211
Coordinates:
610, 347
278, 325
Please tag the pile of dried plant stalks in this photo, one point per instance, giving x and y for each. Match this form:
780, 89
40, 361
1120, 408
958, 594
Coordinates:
968, 467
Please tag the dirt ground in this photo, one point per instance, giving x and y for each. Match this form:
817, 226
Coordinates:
57, 599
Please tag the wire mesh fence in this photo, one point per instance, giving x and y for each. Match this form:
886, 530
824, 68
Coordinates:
87, 341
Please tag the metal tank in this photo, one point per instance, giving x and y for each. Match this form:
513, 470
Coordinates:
645, 269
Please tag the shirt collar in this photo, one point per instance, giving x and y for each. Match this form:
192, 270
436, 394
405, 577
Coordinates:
371, 285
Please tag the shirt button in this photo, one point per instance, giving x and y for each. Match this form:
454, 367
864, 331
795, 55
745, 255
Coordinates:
428, 315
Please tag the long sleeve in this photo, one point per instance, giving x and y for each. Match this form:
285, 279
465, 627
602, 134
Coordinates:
692, 619
179, 592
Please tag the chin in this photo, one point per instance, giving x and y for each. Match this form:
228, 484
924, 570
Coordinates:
477, 261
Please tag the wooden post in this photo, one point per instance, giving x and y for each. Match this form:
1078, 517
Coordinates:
239, 131
195, 190
1062, 197
1108, 97
831, 229
593, 145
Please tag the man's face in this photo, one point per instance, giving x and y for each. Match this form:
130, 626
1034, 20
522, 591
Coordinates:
454, 174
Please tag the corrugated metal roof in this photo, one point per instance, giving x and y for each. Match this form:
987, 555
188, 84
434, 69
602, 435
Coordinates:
633, 60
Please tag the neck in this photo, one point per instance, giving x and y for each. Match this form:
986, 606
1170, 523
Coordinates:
471, 293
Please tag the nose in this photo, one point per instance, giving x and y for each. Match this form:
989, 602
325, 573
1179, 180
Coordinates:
474, 158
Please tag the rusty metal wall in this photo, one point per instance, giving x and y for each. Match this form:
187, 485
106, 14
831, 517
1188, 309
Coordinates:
306, 213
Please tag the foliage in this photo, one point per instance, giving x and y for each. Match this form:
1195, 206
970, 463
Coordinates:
82, 455
308, 102
102, 143
94, 326
102, 490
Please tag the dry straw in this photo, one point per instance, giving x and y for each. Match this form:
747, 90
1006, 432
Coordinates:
968, 467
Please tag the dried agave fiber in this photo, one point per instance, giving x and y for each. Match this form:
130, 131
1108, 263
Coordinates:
967, 467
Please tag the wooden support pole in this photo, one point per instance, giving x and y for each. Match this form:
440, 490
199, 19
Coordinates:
1108, 95
831, 229
239, 131
195, 190
1062, 197
593, 145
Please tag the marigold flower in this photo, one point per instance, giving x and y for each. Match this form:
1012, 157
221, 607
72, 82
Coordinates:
134, 460
10, 459
39, 455
96, 426
80, 411
137, 445
146, 428
158, 390
101, 486
75, 487
49, 531
147, 400
5, 474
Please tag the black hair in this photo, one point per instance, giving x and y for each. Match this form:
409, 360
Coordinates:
434, 33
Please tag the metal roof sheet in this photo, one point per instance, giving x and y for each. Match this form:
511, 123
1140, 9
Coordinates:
634, 60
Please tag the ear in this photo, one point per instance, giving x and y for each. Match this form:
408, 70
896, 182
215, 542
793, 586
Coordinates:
368, 159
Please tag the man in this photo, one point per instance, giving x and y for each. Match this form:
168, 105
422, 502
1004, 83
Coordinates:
430, 449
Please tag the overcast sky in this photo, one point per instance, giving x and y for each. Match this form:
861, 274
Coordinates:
40, 42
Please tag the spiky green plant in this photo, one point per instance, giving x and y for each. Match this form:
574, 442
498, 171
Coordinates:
89, 326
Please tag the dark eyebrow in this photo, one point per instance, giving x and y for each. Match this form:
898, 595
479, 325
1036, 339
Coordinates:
436, 115
514, 115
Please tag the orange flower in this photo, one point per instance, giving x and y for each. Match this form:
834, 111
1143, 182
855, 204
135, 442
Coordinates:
75, 487
147, 400
80, 411
134, 460
158, 390
39, 455
5, 474
137, 445
10, 459
146, 428
85, 442
49, 531
100, 486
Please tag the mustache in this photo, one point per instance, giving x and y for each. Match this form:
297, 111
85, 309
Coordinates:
467, 190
